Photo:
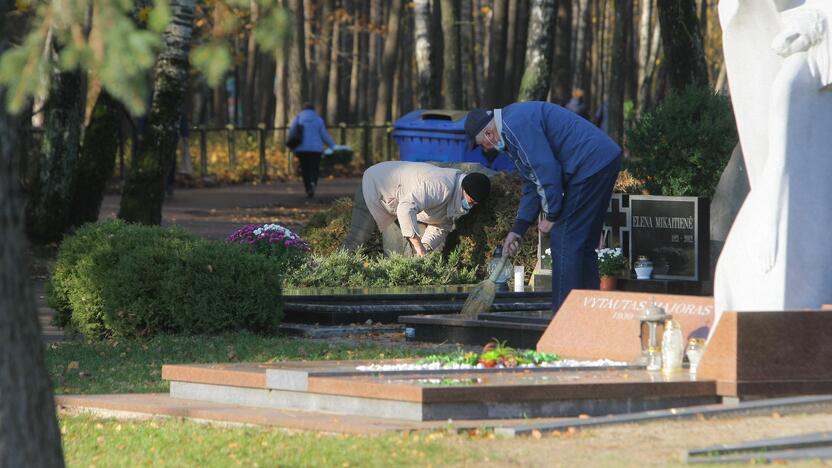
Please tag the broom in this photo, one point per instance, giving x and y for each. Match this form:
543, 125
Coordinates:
482, 296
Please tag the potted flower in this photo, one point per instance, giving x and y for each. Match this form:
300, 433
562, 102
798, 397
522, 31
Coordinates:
274, 241
611, 262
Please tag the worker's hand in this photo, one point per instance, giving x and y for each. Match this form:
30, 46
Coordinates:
512, 244
545, 226
418, 247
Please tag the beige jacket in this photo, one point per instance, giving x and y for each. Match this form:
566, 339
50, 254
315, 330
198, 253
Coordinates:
414, 192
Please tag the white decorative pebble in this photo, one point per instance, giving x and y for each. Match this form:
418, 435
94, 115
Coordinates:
456, 366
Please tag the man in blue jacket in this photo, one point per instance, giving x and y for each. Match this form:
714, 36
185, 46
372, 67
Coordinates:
569, 168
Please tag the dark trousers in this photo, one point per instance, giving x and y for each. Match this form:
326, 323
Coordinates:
310, 164
577, 232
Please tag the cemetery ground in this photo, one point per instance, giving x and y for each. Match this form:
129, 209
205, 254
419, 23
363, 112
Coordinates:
134, 366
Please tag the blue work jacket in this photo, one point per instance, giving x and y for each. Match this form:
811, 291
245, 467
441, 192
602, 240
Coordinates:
314, 133
552, 148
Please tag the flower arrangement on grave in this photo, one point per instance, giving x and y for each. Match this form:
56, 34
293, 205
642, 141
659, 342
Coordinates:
611, 262
273, 241
494, 354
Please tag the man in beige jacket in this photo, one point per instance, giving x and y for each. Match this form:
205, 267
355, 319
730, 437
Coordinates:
424, 199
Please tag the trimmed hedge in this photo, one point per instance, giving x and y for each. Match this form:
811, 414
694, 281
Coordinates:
113, 279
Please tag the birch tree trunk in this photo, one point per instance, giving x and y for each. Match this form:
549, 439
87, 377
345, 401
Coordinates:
535, 83
562, 65
143, 194
451, 76
496, 54
424, 66
615, 107
29, 435
682, 39
296, 82
391, 49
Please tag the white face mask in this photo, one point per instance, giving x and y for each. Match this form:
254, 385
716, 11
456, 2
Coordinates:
500, 145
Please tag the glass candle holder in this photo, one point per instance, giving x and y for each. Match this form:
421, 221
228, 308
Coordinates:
694, 351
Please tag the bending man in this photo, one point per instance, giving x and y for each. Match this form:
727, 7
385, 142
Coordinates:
569, 168
415, 204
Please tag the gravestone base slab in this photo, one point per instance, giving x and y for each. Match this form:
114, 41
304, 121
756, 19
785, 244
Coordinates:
454, 328
777, 353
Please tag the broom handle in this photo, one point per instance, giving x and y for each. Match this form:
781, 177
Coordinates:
499, 269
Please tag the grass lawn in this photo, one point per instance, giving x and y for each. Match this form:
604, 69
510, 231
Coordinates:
136, 366
90, 441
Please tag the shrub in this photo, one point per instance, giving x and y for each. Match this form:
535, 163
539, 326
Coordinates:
113, 279
476, 235
682, 147
344, 269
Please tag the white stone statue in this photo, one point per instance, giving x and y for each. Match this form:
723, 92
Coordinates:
779, 61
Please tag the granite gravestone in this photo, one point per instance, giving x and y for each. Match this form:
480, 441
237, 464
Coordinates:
673, 233
603, 325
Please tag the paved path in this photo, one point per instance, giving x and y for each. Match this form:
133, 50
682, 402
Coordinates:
216, 212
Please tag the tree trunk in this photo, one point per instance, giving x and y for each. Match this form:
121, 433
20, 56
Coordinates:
372, 81
507, 90
561, 78
97, 159
355, 68
481, 51
582, 43
250, 86
535, 83
644, 43
615, 107
451, 76
496, 54
29, 435
144, 190
424, 65
326, 60
682, 38
297, 86
334, 69
47, 212
309, 8
521, 36
391, 48
470, 79
406, 64
280, 91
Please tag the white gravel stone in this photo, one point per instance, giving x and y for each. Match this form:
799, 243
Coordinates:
456, 366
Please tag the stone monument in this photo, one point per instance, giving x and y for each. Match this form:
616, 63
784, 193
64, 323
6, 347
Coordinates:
779, 61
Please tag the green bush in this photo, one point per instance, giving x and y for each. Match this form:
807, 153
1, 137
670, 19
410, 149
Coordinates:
113, 279
475, 238
343, 269
682, 147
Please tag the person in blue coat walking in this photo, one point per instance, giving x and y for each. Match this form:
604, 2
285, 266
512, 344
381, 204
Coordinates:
311, 146
569, 168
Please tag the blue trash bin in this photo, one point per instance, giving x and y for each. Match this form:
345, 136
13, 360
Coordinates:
439, 135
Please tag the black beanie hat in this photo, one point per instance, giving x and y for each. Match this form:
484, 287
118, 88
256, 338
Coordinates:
477, 186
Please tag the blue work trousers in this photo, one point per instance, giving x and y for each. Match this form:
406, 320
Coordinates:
577, 233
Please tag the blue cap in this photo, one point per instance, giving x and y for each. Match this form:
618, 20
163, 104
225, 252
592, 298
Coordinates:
475, 121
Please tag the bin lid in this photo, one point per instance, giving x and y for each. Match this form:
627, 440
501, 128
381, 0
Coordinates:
443, 120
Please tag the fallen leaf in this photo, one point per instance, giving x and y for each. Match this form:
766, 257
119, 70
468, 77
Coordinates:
537, 434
